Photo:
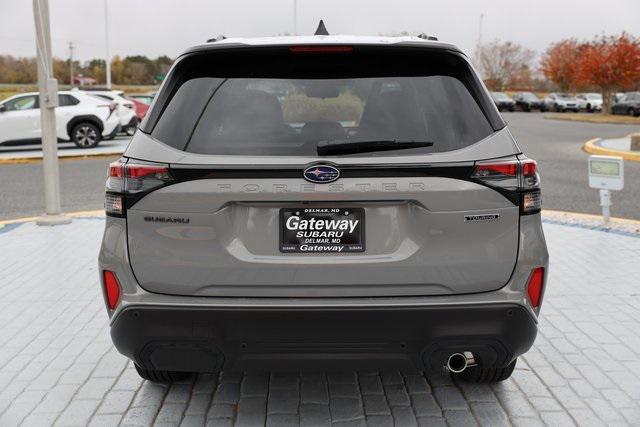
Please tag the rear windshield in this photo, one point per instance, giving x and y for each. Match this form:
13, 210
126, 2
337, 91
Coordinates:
278, 102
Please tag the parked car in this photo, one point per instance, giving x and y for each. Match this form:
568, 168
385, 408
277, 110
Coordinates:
502, 101
629, 104
561, 102
146, 98
400, 230
589, 101
141, 108
80, 118
617, 97
527, 101
125, 111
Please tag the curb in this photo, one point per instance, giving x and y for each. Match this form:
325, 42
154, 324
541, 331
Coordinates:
28, 160
78, 214
591, 148
571, 118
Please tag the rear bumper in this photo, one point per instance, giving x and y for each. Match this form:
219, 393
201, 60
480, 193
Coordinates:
208, 339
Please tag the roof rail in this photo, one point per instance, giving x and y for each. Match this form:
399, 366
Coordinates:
216, 39
427, 37
321, 30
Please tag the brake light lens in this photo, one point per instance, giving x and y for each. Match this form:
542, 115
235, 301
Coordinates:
530, 177
321, 49
506, 169
111, 289
145, 177
534, 287
516, 179
500, 174
131, 179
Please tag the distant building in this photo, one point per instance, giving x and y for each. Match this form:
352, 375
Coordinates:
84, 81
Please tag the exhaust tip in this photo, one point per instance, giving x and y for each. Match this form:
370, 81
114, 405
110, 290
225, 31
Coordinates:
458, 362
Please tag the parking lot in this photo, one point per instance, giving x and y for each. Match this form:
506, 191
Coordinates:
556, 145
58, 366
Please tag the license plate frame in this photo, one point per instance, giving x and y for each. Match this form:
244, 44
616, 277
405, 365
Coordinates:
352, 239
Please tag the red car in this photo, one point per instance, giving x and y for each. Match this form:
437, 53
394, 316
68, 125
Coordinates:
141, 108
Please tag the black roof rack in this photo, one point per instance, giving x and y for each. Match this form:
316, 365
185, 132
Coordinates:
321, 30
427, 37
216, 39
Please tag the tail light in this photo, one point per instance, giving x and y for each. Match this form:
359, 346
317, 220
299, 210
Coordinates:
534, 287
111, 288
129, 181
321, 49
516, 179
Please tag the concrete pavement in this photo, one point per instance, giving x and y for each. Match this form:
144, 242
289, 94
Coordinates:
58, 366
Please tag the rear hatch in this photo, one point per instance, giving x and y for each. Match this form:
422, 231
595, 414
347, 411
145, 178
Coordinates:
366, 171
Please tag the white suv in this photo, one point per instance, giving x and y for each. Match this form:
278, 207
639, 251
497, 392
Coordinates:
125, 110
81, 118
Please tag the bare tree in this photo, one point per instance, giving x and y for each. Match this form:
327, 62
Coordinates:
502, 63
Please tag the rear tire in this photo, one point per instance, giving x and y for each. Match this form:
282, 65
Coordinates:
85, 135
478, 374
161, 376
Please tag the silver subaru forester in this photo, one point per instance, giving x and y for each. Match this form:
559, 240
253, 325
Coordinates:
323, 202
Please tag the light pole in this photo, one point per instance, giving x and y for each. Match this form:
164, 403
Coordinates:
106, 43
71, 64
48, 88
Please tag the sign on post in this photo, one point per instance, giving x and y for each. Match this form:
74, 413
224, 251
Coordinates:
606, 173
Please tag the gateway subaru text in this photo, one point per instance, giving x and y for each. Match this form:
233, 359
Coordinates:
324, 202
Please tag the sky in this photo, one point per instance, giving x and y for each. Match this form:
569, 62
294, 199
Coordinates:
165, 27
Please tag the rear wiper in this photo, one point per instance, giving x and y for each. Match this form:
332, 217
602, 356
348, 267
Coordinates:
327, 148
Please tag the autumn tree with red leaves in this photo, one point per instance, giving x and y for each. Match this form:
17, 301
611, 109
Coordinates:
610, 63
560, 63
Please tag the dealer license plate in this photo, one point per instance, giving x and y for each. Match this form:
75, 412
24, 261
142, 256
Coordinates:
322, 230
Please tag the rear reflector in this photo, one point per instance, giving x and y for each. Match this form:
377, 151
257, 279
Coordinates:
112, 289
321, 49
534, 287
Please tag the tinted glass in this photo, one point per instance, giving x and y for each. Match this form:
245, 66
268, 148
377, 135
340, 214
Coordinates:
67, 100
287, 104
23, 103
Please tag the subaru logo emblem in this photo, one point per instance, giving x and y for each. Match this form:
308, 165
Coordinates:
321, 173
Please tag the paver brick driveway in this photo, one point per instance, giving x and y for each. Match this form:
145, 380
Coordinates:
57, 364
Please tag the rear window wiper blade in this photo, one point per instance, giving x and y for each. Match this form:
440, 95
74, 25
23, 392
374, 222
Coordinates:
327, 148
